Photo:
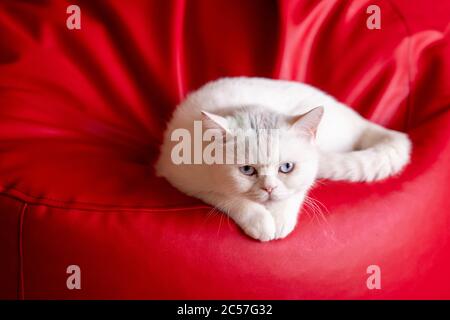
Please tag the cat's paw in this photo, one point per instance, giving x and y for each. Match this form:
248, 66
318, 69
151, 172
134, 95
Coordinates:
284, 225
260, 227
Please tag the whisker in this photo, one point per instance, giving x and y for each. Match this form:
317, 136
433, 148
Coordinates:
318, 208
220, 224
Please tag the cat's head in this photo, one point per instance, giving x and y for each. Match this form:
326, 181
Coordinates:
283, 161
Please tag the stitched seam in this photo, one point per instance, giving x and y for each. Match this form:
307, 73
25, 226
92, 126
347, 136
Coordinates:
409, 97
97, 206
20, 280
179, 19
79, 206
282, 43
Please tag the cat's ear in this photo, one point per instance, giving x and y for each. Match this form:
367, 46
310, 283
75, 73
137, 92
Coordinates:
307, 123
213, 121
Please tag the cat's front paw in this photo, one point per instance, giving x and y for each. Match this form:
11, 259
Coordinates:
284, 225
260, 227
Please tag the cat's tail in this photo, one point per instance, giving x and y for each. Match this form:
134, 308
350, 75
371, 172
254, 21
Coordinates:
378, 154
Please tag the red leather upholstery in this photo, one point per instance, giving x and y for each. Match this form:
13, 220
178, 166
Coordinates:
82, 114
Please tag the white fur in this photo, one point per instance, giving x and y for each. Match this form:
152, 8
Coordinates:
346, 147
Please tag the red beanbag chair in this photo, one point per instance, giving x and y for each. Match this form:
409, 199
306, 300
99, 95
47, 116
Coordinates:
82, 114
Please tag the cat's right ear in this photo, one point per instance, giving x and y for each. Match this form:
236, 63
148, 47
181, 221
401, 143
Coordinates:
307, 123
213, 121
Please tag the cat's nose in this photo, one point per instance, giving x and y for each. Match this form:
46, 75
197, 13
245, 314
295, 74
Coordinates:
268, 189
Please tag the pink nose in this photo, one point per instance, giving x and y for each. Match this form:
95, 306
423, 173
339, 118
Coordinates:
268, 189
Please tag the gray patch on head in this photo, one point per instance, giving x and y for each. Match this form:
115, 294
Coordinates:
252, 118
264, 125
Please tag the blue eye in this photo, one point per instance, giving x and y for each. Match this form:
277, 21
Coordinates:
247, 170
286, 167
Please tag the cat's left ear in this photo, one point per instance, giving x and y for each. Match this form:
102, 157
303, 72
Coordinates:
307, 123
214, 121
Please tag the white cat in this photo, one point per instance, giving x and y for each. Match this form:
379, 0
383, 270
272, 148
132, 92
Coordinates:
319, 137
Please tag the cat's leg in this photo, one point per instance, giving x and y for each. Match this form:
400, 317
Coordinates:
285, 214
254, 219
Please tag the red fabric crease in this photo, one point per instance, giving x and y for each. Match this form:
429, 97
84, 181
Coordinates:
82, 115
